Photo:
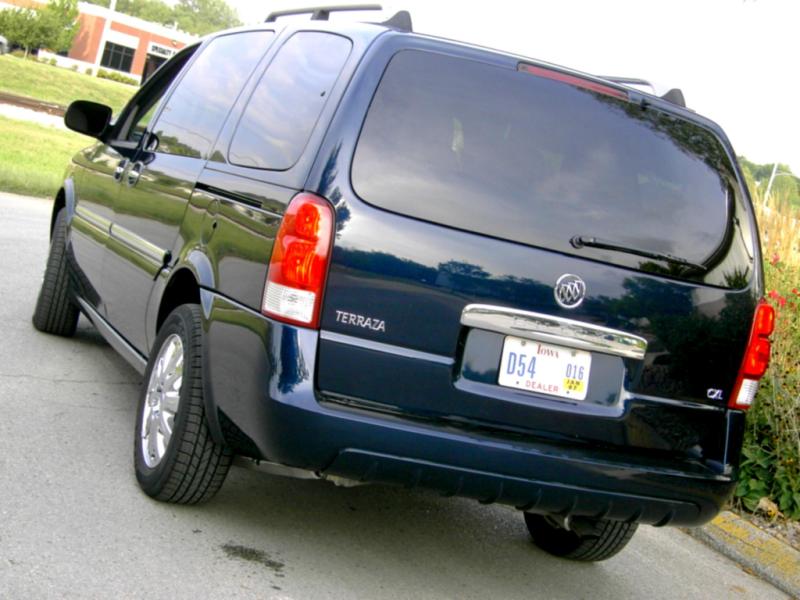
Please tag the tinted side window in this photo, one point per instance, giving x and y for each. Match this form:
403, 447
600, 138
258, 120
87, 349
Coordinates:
194, 113
288, 100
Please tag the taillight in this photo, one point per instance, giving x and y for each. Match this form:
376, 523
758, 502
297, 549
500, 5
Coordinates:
299, 263
572, 80
756, 358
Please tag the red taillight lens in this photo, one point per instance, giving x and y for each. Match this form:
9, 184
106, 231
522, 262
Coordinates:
579, 82
756, 358
300, 266
764, 321
299, 263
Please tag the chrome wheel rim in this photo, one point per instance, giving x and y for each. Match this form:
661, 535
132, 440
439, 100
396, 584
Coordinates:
161, 401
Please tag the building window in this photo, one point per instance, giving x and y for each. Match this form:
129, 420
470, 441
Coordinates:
117, 57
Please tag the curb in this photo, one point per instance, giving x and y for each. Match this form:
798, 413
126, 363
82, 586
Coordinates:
754, 549
33, 104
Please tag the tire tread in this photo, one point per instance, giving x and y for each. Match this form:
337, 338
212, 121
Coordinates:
603, 539
55, 310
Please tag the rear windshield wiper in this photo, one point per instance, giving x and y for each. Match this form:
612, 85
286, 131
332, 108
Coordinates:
579, 241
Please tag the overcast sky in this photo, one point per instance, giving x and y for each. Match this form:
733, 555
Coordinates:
735, 60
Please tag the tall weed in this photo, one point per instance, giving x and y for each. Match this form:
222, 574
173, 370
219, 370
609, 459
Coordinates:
771, 453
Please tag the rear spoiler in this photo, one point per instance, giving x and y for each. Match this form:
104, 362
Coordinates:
675, 95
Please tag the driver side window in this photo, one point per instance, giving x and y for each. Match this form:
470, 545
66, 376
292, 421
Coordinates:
145, 104
140, 125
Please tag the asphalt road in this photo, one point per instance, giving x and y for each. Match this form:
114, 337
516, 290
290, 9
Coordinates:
73, 523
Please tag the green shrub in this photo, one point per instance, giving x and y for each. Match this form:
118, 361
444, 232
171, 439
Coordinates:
88, 72
74, 68
771, 453
114, 76
52, 62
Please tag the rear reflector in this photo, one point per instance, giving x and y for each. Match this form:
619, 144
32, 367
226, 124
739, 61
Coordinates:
756, 358
299, 263
579, 82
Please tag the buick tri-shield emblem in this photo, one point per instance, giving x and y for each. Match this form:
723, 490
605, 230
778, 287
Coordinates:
570, 291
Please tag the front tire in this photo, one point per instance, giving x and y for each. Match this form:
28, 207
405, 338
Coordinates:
55, 310
586, 539
175, 457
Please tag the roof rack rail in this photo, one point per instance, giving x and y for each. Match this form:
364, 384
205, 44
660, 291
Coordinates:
320, 13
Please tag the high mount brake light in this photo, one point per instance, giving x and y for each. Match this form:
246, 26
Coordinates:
756, 358
572, 80
299, 264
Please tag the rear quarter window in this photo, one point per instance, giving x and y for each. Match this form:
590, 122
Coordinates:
288, 101
500, 152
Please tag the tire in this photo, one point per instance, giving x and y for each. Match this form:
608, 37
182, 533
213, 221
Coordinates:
587, 540
55, 310
184, 466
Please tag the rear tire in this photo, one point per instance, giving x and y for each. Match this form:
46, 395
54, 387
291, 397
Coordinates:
55, 310
175, 458
587, 540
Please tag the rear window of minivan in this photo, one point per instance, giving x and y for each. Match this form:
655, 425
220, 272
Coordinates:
504, 153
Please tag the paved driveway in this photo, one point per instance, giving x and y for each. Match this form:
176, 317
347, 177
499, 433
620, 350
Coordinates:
73, 523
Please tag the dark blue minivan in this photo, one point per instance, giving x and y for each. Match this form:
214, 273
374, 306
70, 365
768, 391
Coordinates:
378, 256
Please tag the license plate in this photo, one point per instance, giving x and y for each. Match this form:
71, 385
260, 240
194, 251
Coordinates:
545, 369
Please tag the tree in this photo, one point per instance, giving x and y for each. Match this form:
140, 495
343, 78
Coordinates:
53, 26
785, 185
205, 16
22, 26
193, 16
59, 24
149, 10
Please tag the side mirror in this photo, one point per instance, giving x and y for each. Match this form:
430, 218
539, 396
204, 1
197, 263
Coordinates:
88, 118
152, 142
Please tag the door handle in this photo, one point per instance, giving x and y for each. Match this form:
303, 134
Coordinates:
134, 173
120, 169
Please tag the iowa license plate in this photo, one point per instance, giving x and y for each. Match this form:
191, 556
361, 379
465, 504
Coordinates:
545, 369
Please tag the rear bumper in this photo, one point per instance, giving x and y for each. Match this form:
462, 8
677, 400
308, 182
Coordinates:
260, 377
530, 476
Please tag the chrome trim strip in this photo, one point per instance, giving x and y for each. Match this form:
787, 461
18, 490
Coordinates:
93, 219
139, 244
554, 330
115, 340
386, 348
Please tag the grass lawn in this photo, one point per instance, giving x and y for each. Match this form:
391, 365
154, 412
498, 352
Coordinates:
33, 157
61, 86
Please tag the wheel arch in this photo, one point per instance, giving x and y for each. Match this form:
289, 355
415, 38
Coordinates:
65, 198
182, 288
183, 284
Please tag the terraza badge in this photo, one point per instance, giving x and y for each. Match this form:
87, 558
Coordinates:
360, 321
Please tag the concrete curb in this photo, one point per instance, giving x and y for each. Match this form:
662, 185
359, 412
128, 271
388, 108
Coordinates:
754, 549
